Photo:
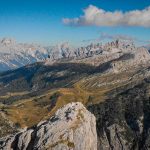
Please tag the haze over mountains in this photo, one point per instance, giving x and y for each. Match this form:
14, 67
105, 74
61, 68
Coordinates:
14, 55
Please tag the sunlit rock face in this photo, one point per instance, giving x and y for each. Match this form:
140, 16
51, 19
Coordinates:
131, 59
71, 128
14, 55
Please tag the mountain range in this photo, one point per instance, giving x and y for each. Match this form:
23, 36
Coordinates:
14, 55
110, 80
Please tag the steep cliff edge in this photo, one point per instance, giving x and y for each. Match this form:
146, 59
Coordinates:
123, 120
71, 128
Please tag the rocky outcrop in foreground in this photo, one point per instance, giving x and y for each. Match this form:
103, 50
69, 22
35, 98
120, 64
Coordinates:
71, 128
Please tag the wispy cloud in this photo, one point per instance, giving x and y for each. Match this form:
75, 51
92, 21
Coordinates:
99, 17
123, 37
117, 36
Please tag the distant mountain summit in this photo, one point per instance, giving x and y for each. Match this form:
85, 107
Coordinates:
7, 41
118, 54
14, 55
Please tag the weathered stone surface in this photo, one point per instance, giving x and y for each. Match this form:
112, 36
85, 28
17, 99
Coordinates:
71, 128
131, 60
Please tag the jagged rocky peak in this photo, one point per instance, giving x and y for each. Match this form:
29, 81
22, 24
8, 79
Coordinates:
120, 55
65, 51
71, 128
7, 41
14, 55
59, 51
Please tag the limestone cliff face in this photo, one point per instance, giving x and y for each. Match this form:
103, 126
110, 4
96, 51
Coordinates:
71, 128
131, 60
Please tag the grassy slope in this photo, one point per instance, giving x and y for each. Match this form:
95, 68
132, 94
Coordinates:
86, 88
92, 89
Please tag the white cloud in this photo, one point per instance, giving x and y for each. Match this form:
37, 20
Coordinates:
99, 17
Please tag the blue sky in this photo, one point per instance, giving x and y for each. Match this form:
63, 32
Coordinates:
40, 21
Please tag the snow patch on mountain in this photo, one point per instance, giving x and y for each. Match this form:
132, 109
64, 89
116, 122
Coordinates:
14, 55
